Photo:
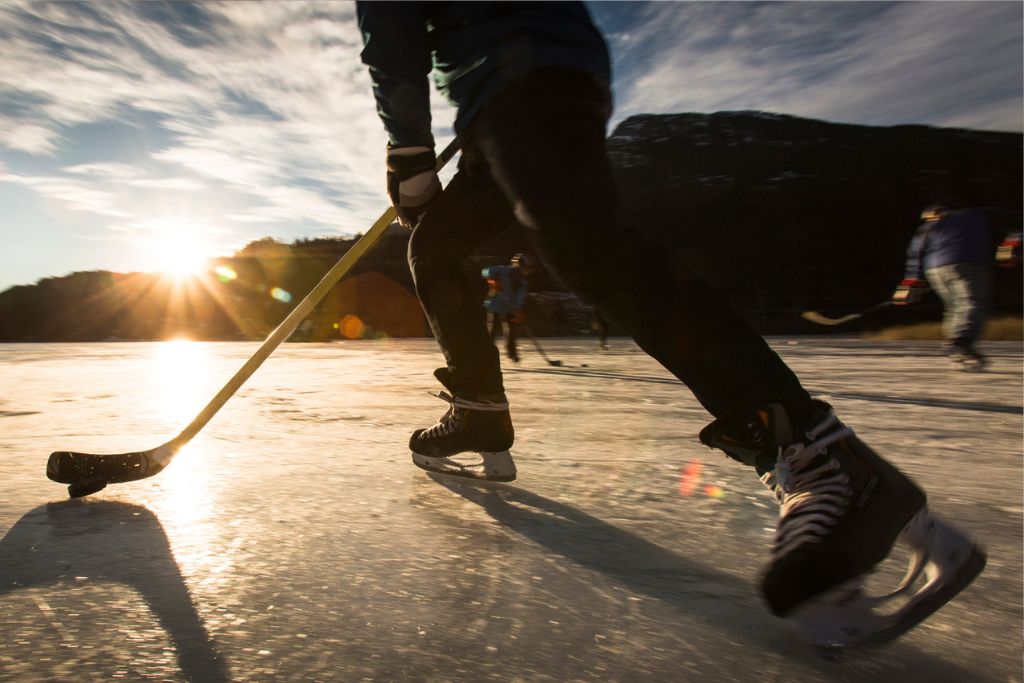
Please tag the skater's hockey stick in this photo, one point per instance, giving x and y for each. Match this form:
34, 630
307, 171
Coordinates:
529, 333
90, 472
820, 319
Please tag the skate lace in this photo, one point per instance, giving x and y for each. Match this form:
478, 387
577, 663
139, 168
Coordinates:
455, 416
813, 490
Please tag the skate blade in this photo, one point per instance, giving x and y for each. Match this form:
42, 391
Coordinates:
840, 627
847, 618
967, 366
486, 470
449, 480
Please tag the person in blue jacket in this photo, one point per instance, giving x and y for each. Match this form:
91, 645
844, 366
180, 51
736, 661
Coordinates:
531, 82
952, 251
507, 287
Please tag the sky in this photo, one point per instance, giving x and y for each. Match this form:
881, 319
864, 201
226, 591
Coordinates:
140, 136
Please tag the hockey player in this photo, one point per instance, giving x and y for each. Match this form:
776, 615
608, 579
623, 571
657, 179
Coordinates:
952, 251
531, 84
600, 327
507, 287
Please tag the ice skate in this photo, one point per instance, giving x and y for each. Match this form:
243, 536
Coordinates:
470, 443
843, 508
965, 357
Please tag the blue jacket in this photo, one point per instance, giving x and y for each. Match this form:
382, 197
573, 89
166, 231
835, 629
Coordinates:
507, 293
963, 236
474, 48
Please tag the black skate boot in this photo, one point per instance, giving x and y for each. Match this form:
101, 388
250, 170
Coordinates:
472, 424
842, 509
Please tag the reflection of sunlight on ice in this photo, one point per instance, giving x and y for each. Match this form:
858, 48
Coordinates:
187, 485
179, 394
181, 366
186, 505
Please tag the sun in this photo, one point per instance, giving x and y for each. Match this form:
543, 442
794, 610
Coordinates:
181, 256
178, 249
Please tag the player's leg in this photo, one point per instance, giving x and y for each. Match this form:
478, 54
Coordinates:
467, 213
511, 349
964, 290
495, 326
939, 280
969, 286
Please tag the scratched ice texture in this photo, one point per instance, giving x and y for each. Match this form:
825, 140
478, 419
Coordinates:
293, 539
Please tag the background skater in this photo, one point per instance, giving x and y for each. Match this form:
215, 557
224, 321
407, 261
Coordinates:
952, 251
507, 287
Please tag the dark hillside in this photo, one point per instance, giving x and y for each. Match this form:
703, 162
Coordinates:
787, 213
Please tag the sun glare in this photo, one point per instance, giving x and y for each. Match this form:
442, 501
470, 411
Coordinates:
179, 249
181, 256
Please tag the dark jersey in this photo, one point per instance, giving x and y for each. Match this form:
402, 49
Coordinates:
474, 49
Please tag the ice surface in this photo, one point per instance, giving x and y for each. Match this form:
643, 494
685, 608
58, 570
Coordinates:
293, 539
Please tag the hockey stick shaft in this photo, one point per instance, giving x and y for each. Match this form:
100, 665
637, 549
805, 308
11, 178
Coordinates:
529, 333
299, 313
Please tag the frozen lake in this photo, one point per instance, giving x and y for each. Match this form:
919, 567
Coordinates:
294, 540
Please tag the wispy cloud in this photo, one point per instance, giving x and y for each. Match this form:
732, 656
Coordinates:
256, 99
132, 176
943, 63
23, 136
74, 194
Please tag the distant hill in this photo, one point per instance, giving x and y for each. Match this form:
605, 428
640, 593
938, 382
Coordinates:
783, 213
787, 214
241, 297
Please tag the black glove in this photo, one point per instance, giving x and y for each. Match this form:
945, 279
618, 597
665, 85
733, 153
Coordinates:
412, 182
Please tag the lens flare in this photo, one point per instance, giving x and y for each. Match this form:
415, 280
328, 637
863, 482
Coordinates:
690, 478
714, 491
225, 273
351, 327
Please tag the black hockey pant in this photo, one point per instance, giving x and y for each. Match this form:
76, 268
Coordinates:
498, 321
537, 155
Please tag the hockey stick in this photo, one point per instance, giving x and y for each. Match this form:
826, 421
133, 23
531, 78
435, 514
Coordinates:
820, 319
529, 333
90, 472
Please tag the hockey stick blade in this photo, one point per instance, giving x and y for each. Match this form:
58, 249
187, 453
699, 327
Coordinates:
70, 467
819, 319
87, 473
